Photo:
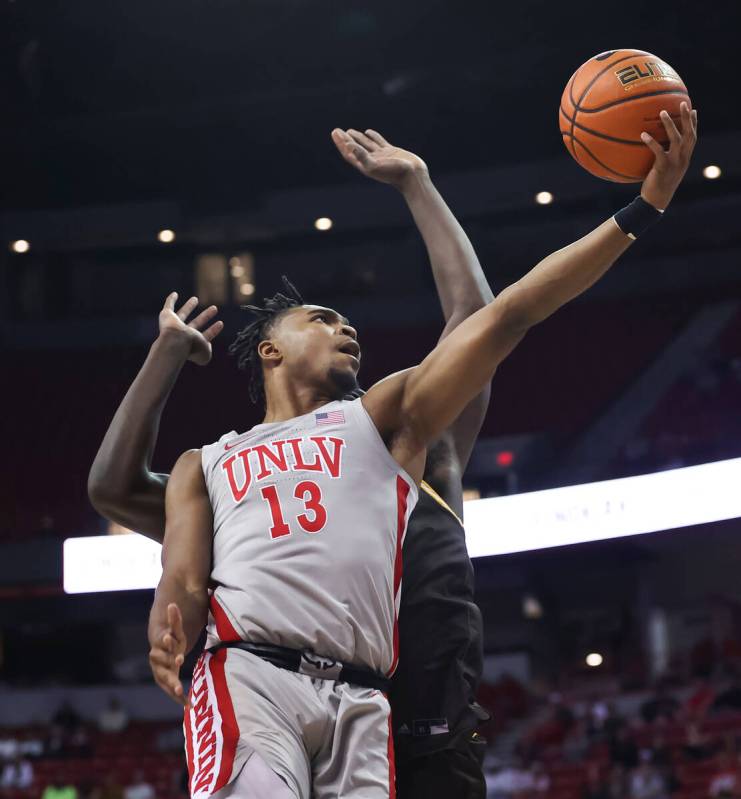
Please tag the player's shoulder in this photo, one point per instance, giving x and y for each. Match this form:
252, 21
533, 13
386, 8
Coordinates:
187, 475
189, 460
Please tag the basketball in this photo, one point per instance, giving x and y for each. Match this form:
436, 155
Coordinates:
606, 105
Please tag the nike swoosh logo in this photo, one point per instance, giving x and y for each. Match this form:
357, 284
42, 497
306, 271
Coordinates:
227, 447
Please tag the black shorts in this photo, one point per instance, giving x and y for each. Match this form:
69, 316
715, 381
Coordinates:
454, 773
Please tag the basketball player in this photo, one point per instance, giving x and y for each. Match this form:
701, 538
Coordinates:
303, 352
433, 689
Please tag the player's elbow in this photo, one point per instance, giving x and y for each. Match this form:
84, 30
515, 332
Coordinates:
513, 313
98, 493
105, 496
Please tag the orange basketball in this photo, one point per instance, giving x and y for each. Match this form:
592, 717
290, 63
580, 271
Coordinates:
606, 105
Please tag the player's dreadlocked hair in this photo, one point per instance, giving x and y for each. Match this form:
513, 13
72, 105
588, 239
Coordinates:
244, 347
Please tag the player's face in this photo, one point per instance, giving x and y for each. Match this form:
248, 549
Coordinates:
319, 346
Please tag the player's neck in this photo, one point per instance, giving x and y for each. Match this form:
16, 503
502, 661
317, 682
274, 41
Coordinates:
288, 400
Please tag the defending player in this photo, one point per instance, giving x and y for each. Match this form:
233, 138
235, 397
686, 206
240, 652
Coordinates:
305, 364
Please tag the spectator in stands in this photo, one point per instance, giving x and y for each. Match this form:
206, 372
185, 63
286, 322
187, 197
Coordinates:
54, 744
661, 706
114, 718
617, 784
507, 782
697, 744
659, 753
111, 788
595, 787
597, 715
16, 774
576, 744
700, 700
613, 723
540, 780
67, 718
724, 784
58, 790
78, 743
646, 782
139, 787
623, 749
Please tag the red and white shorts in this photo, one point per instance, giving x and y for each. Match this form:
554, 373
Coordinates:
323, 738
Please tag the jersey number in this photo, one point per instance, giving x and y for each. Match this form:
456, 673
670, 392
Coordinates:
314, 518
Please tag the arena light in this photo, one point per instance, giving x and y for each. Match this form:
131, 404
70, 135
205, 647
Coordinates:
711, 172
594, 659
166, 236
628, 506
494, 526
20, 246
248, 289
544, 198
323, 223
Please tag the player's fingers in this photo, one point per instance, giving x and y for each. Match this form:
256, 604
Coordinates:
203, 317
170, 301
175, 620
363, 140
686, 115
187, 308
172, 686
362, 156
160, 659
210, 333
675, 137
345, 145
694, 122
652, 145
168, 643
376, 136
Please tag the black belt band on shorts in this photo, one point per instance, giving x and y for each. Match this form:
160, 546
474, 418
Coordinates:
310, 664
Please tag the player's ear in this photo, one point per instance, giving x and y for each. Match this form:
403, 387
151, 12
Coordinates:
269, 351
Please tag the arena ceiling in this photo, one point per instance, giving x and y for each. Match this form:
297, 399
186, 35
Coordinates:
210, 102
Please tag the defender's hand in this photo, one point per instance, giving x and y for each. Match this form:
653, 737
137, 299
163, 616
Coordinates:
167, 655
198, 340
372, 155
669, 165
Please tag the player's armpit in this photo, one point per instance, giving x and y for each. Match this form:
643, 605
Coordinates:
383, 402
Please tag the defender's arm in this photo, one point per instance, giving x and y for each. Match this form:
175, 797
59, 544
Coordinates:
121, 485
459, 278
180, 606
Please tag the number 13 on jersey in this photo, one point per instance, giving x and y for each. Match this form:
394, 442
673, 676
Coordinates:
314, 515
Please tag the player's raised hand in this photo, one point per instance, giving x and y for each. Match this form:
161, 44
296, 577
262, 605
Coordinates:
669, 165
197, 334
372, 155
167, 654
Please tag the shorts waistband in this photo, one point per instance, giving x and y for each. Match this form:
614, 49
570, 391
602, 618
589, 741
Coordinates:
306, 662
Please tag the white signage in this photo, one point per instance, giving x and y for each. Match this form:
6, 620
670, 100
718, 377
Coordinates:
496, 526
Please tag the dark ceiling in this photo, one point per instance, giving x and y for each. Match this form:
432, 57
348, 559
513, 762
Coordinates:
210, 102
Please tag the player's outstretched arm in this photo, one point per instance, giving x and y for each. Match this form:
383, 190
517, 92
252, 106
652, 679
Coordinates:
121, 485
180, 606
414, 407
460, 281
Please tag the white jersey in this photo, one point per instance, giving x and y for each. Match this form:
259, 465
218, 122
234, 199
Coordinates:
309, 519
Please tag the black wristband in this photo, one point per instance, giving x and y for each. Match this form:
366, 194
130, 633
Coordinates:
637, 217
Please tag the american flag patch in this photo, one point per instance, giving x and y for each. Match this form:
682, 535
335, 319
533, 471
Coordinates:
330, 417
